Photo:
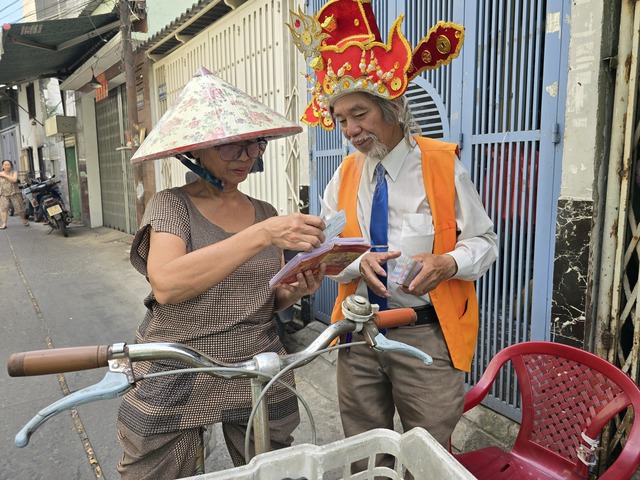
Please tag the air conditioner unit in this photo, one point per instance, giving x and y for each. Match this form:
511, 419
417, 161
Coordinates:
59, 125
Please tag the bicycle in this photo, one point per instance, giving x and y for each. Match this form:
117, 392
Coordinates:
263, 369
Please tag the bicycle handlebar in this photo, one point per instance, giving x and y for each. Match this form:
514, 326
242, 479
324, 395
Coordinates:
70, 359
57, 360
397, 317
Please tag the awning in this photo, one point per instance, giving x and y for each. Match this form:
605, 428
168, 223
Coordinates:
52, 48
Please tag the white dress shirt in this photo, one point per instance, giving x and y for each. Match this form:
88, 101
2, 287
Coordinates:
411, 228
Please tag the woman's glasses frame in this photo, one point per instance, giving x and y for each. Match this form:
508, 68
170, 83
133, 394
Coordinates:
233, 151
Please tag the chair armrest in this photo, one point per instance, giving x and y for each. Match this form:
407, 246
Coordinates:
481, 389
477, 394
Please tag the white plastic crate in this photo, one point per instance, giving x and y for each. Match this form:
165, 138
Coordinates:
416, 452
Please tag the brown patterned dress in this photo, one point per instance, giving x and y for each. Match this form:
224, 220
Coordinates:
232, 321
10, 194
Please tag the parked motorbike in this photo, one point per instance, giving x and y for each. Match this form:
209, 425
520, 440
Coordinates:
29, 211
46, 199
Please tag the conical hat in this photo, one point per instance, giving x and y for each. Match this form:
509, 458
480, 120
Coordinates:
210, 112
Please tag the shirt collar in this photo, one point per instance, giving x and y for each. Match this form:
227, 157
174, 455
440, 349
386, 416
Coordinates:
392, 162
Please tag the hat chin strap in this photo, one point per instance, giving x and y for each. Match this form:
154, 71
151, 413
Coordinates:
258, 165
189, 161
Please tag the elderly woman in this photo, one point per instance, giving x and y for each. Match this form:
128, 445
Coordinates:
10, 194
209, 251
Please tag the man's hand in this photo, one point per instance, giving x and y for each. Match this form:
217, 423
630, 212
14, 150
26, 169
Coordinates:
435, 269
371, 267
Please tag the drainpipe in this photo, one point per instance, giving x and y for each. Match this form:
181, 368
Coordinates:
610, 258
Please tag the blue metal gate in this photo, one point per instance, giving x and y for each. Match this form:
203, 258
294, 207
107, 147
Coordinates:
502, 102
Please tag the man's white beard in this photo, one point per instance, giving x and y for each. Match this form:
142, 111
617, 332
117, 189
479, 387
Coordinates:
378, 150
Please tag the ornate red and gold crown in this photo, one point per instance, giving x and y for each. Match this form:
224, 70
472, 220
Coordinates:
343, 46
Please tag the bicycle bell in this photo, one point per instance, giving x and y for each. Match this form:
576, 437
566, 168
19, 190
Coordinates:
357, 308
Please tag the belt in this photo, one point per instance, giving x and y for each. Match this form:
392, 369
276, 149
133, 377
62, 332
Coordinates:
426, 315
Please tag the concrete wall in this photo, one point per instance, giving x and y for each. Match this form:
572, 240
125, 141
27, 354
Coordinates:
585, 147
160, 13
590, 84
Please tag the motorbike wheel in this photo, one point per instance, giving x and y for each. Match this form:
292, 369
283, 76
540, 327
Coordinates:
63, 227
28, 210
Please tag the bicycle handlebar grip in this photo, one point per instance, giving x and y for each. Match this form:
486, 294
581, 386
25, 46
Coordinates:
57, 360
396, 317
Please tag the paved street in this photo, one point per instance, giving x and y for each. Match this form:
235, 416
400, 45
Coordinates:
82, 290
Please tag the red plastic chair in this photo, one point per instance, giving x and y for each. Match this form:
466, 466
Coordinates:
566, 392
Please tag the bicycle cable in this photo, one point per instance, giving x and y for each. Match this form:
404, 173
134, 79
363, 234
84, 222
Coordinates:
276, 378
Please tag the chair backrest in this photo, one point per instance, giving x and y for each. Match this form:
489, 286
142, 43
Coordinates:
567, 392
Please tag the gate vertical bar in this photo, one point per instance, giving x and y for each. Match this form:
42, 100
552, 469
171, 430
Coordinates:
549, 190
457, 76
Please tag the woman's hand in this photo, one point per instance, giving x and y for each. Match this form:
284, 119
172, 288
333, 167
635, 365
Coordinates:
307, 284
297, 231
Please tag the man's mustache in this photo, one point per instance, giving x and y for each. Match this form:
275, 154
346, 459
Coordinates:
363, 138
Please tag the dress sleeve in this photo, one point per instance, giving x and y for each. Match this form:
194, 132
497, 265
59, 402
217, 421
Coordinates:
264, 209
165, 212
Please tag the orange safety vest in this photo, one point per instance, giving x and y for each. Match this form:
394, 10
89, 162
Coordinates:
454, 300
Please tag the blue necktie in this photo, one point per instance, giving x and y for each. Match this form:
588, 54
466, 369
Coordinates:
378, 227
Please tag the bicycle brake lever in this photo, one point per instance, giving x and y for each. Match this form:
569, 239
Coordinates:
111, 386
382, 343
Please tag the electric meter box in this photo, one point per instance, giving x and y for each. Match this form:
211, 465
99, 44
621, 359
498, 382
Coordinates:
59, 125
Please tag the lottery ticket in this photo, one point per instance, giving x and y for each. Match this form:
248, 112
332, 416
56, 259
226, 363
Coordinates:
405, 271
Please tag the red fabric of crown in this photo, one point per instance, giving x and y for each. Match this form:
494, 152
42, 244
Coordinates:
343, 46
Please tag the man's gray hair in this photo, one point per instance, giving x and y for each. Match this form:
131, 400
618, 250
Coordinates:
398, 111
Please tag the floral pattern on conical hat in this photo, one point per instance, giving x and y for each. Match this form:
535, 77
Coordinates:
210, 112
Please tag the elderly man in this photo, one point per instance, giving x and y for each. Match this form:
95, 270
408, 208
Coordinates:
413, 196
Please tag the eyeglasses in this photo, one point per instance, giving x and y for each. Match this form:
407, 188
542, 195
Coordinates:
233, 151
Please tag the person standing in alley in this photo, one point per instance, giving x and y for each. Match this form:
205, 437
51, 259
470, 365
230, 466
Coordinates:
10, 194
412, 196
209, 251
